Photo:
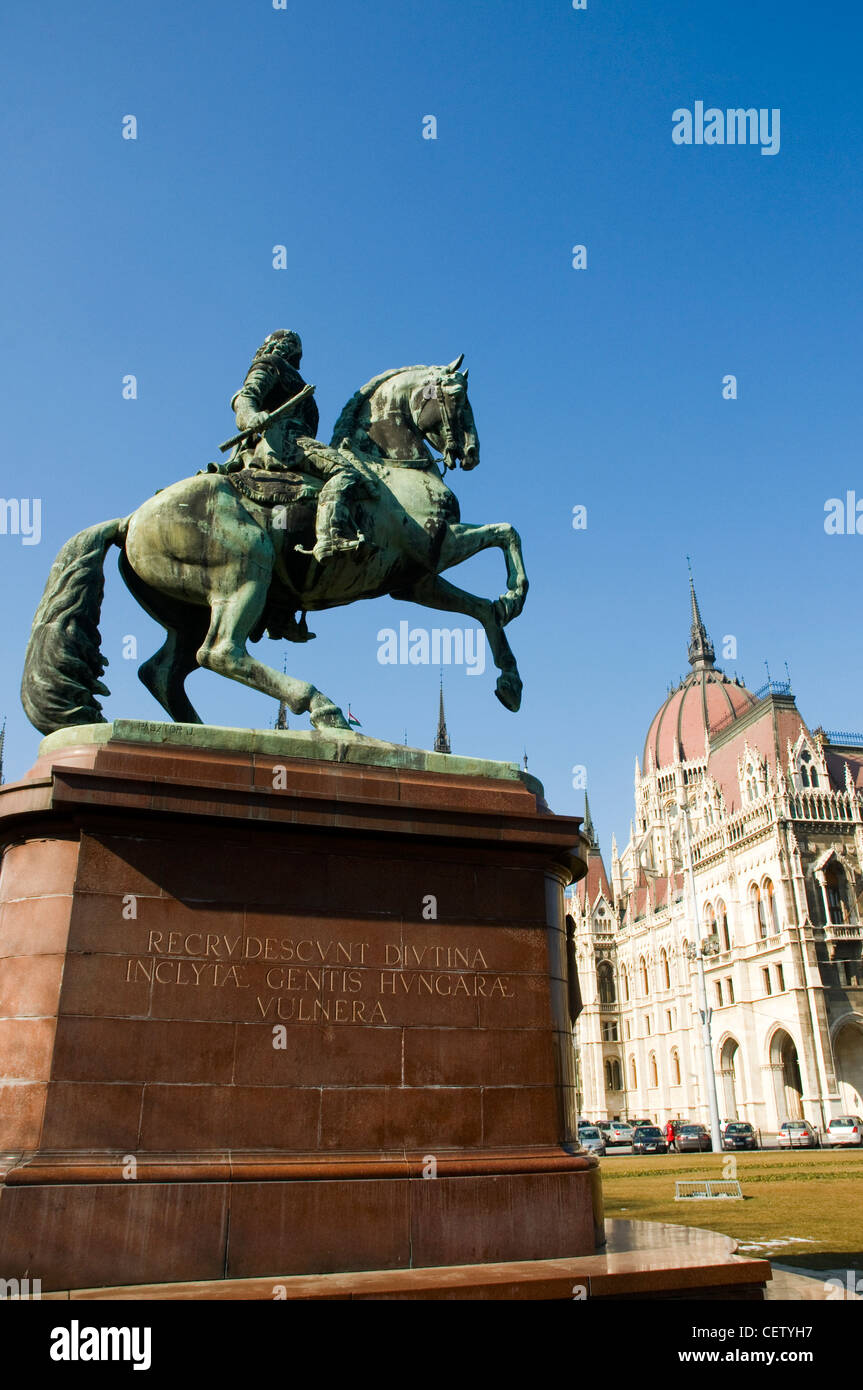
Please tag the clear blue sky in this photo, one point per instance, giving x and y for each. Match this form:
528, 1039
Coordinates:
601, 387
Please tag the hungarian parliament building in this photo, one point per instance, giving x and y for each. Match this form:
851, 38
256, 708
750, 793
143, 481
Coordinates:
745, 862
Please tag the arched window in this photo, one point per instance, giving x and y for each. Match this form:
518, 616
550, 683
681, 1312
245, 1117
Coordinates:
808, 773
675, 1068
652, 1070
663, 966
612, 1075
709, 920
633, 1074
722, 924
771, 908
645, 983
624, 981
835, 885
758, 914
605, 981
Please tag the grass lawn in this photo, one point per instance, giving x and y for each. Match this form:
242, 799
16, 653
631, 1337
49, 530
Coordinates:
803, 1208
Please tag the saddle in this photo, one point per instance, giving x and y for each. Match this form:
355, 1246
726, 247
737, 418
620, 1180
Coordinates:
269, 488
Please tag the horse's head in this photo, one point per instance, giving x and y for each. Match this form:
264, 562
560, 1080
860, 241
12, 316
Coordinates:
442, 413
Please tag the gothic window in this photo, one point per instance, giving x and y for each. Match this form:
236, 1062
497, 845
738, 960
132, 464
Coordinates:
653, 1072
675, 1068
758, 913
709, 920
835, 885
633, 1074
605, 980
645, 983
771, 908
722, 923
624, 980
729, 986
612, 1075
808, 773
609, 1032
663, 965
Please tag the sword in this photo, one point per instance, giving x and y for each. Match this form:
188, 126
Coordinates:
271, 419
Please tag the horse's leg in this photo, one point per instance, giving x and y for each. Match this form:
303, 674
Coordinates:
463, 540
224, 650
433, 592
166, 671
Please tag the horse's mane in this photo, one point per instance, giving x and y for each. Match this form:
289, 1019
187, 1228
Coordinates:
348, 423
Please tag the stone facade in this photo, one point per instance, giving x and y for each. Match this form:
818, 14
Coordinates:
746, 846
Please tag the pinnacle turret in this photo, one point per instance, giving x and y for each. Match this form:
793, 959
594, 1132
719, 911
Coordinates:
441, 743
587, 828
701, 653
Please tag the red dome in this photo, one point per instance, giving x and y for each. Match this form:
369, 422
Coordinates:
706, 700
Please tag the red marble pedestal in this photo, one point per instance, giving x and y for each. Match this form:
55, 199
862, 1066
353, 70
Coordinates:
276, 1008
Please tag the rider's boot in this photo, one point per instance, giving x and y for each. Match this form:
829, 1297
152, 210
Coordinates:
334, 529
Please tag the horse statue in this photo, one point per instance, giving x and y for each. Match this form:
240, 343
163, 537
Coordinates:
223, 557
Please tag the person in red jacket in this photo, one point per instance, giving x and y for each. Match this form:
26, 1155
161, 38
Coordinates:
669, 1135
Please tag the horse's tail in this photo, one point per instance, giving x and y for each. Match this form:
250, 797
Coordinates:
63, 661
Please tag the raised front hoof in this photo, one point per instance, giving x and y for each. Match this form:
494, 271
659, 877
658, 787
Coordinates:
507, 607
508, 691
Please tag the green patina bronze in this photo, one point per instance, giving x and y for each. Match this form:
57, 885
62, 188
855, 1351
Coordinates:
287, 526
329, 745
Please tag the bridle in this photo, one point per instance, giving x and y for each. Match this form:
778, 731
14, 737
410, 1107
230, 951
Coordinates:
450, 449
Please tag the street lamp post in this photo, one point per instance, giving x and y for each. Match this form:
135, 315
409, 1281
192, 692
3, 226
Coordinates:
697, 953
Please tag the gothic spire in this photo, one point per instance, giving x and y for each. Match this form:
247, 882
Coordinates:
441, 743
587, 828
701, 653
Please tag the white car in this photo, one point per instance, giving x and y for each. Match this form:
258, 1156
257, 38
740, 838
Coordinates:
845, 1129
619, 1133
797, 1134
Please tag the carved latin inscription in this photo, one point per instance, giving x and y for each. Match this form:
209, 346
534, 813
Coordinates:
317, 980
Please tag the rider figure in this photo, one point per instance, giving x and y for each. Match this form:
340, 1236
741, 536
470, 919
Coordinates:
290, 443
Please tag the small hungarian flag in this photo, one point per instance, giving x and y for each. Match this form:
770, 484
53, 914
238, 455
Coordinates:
352, 719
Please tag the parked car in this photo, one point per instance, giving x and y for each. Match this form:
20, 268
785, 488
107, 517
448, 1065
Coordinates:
591, 1138
739, 1135
797, 1134
844, 1129
692, 1139
619, 1133
636, 1124
648, 1139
